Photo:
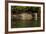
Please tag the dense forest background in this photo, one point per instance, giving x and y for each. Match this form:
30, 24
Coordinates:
15, 10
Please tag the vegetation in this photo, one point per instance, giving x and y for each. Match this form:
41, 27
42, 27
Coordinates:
21, 9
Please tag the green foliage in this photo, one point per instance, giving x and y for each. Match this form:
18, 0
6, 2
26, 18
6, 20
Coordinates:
20, 9
35, 9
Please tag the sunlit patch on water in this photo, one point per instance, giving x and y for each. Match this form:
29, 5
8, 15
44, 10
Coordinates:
23, 16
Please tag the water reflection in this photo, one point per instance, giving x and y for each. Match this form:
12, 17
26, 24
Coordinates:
22, 23
24, 20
